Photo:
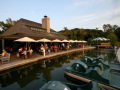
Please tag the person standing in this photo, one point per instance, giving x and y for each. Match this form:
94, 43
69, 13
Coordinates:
30, 51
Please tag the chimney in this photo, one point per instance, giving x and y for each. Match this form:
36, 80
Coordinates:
46, 23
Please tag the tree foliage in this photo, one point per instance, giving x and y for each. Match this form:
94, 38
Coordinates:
109, 28
113, 39
89, 34
6, 25
89, 41
117, 33
82, 34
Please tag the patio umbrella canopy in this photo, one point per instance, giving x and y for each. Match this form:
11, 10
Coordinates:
76, 41
71, 40
26, 39
65, 40
56, 40
84, 41
100, 39
44, 40
79, 41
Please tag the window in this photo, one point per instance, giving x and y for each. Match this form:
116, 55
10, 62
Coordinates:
54, 32
38, 29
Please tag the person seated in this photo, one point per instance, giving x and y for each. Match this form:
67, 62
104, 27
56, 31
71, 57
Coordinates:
55, 48
41, 49
51, 48
67, 48
49, 51
3, 53
25, 53
20, 52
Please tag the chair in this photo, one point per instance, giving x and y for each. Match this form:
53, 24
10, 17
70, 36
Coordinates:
6, 59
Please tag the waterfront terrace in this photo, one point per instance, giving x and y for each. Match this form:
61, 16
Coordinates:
15, 61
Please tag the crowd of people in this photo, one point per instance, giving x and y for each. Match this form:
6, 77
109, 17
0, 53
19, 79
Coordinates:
23, 52
47, 49
44, 49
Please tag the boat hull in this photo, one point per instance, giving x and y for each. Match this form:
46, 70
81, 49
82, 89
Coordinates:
88, 80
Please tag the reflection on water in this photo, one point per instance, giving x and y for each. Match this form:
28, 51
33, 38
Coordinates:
34, 75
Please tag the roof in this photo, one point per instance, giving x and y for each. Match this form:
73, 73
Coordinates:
23, 28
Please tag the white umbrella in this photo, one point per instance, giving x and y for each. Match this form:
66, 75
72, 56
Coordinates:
56, 40
71, 40
80, 41
26, 39
64, 40
44, 40
104, 39
99, 38
84, 41
96, 39
76, 41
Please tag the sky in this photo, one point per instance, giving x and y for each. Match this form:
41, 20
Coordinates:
87, 14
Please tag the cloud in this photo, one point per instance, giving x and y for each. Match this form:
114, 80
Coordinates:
116, 13
107, 12
111, 14
95, 20
79, 3
116, 3
81, 19
85, 16
109, 17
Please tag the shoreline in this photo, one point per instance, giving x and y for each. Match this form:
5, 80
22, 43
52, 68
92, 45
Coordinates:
10, 65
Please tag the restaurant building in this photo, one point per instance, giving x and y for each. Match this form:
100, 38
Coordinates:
31, 29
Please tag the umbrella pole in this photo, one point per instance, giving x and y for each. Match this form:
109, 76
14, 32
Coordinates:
26, 45
44, 49
44, 44
97, 42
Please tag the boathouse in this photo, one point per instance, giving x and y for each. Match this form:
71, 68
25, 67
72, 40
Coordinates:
30, 29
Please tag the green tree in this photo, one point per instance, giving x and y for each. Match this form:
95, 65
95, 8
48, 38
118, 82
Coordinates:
109, 28
4, 26
117, 32
113, 39
96, 28
65, 28
89, 41
83, 33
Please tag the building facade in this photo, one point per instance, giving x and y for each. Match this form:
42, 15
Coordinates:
30, 29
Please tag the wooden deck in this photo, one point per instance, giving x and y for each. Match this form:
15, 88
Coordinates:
15, 62
104, 45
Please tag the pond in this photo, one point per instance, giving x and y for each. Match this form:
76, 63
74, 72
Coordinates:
35, 75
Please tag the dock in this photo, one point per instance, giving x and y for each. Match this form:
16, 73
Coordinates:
20, 62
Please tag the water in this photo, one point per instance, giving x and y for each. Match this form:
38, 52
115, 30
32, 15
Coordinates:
35, 75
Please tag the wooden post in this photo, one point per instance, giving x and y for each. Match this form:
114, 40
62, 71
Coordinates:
3, 44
